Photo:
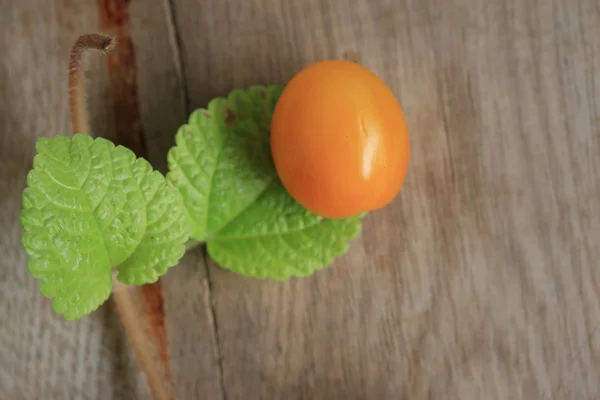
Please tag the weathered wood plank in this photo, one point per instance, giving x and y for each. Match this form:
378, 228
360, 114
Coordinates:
185, 288
479, 281
43, 356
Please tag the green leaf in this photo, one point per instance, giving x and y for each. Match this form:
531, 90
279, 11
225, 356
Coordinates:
90, 207
223, 167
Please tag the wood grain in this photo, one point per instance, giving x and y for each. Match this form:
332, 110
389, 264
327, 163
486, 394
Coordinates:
190, 321
480, 281
43, 356
91, 358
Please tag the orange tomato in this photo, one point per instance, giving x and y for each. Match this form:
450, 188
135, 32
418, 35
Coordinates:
339, 140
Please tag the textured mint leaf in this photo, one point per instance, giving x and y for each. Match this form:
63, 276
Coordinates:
221, 162
223, 167
277, 238
90, 207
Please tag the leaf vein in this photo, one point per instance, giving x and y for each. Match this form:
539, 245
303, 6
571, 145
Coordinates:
245, 208
261, 235
53, 179
211, 179
283, 238
269, 254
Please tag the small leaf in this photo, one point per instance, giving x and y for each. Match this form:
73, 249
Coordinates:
277, 238
90, 207
223, 167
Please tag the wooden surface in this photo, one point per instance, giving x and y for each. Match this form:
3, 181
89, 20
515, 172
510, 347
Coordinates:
480, 281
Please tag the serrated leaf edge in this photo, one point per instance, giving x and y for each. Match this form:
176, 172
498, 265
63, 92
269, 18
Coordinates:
181, 133
286, 275
102, 296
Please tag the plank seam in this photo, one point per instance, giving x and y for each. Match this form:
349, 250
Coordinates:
176, 44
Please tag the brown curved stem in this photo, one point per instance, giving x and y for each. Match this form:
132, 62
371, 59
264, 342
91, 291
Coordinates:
84, 44
129, 299
134, 318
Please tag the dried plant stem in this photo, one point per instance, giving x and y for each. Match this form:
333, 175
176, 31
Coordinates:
137, 326
134, 319
85, 43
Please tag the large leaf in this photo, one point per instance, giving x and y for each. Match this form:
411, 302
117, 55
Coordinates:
91, 207
223, 167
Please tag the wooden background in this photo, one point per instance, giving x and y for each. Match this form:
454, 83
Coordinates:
480, 281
